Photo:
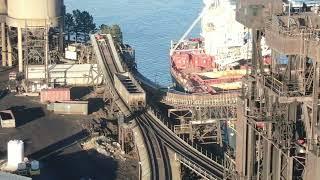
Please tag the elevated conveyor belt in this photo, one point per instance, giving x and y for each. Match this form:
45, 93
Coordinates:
105, 62
115, 54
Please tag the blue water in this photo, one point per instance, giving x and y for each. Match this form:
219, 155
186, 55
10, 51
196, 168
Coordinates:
147, 25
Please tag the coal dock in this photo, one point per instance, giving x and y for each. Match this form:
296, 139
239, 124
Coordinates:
244, 103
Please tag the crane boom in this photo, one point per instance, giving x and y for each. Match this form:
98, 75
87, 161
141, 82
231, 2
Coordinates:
209, 4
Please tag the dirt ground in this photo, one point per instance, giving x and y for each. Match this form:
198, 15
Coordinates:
55, 141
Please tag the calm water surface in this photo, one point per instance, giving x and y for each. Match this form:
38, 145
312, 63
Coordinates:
147, 25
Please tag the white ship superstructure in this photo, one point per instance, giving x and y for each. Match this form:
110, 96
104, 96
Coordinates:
224, 38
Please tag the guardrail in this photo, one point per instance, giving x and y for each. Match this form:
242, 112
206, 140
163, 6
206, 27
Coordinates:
181, 99
290, 89
145, 165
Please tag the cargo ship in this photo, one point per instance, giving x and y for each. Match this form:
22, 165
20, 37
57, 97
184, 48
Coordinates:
217, 60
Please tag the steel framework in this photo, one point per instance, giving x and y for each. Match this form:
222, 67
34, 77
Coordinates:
201, 117
277, 126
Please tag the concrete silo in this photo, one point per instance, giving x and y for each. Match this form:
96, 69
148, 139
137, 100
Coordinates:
3, 6
32, 21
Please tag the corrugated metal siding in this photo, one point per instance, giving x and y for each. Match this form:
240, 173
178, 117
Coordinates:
8, 176
8, 123
53, 95
71, 107
67, 74
50, 107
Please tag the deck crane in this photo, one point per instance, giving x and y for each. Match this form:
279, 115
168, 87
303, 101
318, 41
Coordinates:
208, 4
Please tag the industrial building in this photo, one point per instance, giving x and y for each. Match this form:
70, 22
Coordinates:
32, 39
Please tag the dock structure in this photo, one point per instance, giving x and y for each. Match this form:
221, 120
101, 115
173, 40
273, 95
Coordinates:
201, 116
278, 133
275, 114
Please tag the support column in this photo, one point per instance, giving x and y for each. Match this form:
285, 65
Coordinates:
241, 127
276, 164
47, 54
3, 44
9, 48
289, 66
267, 154
251, 152
20, 55
312, 165
314, 121
254, 52
288, 169
61, 38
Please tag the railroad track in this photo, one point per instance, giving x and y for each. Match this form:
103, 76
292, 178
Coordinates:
159, 158
212, 169
108, 67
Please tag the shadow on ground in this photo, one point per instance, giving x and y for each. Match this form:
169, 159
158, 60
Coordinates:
57, 147
67, 161
3, 93
24, 115
95, 104
80, 165
80, 92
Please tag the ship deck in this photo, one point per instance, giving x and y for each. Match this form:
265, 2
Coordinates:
225, 74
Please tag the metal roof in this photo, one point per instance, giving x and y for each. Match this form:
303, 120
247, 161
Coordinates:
8, 176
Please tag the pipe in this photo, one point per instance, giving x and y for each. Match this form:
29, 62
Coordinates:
9, 48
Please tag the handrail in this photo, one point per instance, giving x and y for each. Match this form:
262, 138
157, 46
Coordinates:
176, 99
274, 25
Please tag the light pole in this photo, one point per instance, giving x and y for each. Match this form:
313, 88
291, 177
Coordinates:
139, 170
289, 14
